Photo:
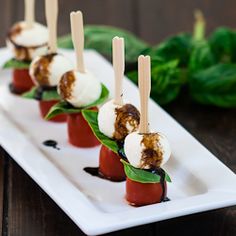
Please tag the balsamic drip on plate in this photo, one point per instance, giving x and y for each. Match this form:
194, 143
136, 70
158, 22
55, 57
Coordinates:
166, 199
94, 171
51, 143
13, 89
41, 89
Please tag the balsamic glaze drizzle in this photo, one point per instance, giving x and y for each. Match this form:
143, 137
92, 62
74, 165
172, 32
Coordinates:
51, 143
94, 171
13, 89
162, 174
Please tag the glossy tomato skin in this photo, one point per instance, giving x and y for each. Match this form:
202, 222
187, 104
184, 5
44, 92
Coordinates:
110, 165
79, 131
22, 81
141, 194
45, 106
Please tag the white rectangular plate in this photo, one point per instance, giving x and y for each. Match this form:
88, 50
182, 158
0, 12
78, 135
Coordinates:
200, 182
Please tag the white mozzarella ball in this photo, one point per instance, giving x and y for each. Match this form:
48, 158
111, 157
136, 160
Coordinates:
27, 43
107, 118
134, 148
79, 89
47, 70
117, 121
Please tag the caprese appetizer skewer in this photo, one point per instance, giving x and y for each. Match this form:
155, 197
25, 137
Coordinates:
80, 90
146, 151
115, 120
47, 70
26, 40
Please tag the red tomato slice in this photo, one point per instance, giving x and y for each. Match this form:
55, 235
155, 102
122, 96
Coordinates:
79, 132
110, 166
140, 194
22, 81
45, 106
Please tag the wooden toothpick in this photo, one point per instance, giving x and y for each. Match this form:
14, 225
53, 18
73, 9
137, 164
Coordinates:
29, 13
144, 81
77, 33
51, 15
119, 67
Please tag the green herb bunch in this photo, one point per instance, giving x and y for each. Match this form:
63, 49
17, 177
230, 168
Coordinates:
206, 66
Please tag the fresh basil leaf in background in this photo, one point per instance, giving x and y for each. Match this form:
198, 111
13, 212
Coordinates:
215, 85
223, 44
15, 64
177, 47
100, 39
48, 95
167, 80
142, 176
65, 108
179, 60
201, 56
91, 118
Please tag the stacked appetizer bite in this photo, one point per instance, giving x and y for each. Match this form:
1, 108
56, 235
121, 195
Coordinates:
114, 121
47, 70
145, 151
26, 40
80, 90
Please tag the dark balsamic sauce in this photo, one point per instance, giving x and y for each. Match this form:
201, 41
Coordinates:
94, 171
161, 173
166, 199
51, 143
13, 90
41, 89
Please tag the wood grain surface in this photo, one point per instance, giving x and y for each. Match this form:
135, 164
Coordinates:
152, 20
25, 210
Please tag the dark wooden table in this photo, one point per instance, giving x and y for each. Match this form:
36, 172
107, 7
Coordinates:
27, 211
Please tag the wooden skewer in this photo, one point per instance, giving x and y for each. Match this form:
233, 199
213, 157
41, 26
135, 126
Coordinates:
77, 32
119, 67
144, 81
51, 15
29, 13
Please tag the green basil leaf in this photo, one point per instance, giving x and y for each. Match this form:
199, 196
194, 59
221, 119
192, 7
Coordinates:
65, 108
100, 38
201, 56
48, 95
30, 94
223, 44
91, 118
177, 47
142, 176
15, 64
215, 85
